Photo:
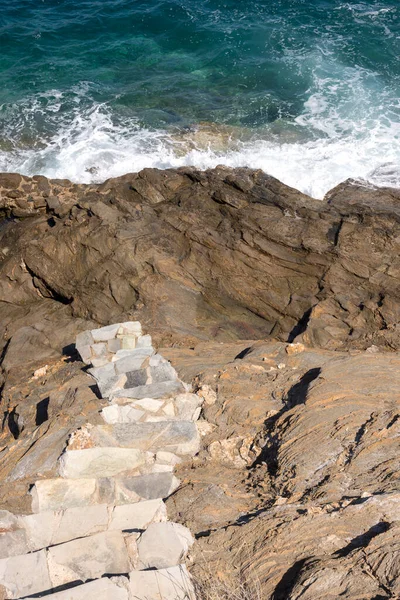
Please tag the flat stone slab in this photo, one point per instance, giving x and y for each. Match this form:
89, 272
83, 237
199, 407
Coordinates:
163, 545
100, 589
88, 558
121, 414
34, 532
61, 494
24, 575
179, 437
101, 461
137, 516
150, 486
104, 334
166, 584
153, 390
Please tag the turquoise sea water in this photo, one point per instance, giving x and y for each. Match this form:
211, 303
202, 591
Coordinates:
308, 90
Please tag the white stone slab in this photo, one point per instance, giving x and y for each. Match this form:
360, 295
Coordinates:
125, 413
144, 341
104, 334
56, 527
166, 584
100, 589
167, 458
137, 516
149, 404
101, 462
179, 437
187, 406
53, 494
164, 545
83, 342
12, 543
88, 558
24, 575
130, 328
150, 487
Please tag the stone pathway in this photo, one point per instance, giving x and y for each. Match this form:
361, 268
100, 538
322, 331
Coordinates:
100, 530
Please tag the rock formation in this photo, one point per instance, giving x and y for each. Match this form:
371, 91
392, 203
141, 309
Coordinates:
281, 311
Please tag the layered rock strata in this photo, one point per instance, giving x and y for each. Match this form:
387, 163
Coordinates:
225, 254
103, 520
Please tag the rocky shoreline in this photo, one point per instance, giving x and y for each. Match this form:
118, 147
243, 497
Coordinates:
283, 313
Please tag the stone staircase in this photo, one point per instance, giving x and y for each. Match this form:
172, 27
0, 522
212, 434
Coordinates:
100, 530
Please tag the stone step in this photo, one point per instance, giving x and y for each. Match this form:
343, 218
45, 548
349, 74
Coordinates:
105, 460
184, 407
99, 589
163, 545
24, 575
89, 558
61, 494
163, 389
179, 437
174, 583
79, 560
29, 533
104, 342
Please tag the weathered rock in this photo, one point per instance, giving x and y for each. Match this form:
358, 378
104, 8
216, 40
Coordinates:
166, 584
164, 545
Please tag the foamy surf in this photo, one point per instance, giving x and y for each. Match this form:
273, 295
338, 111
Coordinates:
93, 147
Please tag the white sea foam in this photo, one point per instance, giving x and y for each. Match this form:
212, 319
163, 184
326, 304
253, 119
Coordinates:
93, 146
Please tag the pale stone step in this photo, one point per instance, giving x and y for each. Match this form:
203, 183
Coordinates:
151, 486
29, 533
24, 575
99, 589
166, 584
163, 545
153, 390
61, 494
88, 558
179, 437
184, 407
103, 461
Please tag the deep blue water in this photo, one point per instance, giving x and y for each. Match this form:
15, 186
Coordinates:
308, 90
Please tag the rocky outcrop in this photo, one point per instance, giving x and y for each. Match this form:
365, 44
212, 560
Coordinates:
225, 254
